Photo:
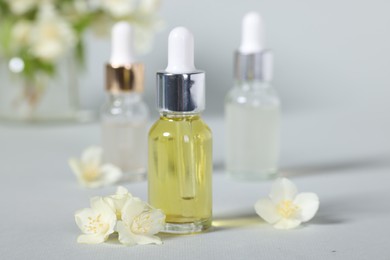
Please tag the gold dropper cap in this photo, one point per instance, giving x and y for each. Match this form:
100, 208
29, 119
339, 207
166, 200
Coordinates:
125, 78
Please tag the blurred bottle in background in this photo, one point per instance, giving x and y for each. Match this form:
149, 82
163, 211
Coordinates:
252, 108
124, 116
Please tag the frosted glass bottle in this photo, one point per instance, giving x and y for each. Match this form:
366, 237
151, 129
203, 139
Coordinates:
124, 121
252, 130
252, 108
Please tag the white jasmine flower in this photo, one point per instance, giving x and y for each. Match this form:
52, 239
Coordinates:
97, 222
285, 209
118, 200
91, 172
139, 223
20, 7
51, 36
20, 33
119, 8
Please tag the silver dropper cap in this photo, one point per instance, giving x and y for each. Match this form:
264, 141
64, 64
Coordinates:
181, 87
181, 92
252, 61
253, 66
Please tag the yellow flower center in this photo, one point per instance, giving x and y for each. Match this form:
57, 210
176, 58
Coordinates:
142, 223
287, 208
91, 173
95, 225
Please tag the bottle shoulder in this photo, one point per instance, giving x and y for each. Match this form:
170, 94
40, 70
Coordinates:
253, 96
119, 108
191, 126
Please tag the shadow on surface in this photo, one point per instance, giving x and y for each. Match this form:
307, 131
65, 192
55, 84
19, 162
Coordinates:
327, 215
218, 166
351, 207
327, 219
113, 240
167, 236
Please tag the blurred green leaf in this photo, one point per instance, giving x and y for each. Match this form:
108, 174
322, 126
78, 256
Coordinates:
5, 35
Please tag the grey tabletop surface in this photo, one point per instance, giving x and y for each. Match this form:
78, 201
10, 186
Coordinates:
343, 157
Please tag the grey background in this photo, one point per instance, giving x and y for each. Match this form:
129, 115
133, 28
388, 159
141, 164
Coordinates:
329, 54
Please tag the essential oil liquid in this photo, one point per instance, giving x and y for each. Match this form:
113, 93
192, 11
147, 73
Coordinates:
252, 141
179, 172
125, 145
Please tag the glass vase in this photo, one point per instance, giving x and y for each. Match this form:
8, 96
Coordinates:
41, 97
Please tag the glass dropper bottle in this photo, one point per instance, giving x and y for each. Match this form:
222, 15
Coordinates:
124, 115
180, 143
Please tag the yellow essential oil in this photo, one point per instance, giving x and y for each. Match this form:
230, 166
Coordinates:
180, 169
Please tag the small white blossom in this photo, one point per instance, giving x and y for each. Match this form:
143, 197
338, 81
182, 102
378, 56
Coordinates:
140, 222
119, 8
20, 7
52, 36
97, 222
90, 171
284, 208
21, 33
118, 200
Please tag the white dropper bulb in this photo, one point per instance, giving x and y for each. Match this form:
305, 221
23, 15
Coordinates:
122, 44
180, 51
252, 38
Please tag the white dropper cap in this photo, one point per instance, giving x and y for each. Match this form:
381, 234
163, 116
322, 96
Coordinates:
252, 38
122, 44
180, 51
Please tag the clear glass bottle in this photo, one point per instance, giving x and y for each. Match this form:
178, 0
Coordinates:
252, 109
124, 121
124, 116
180, 143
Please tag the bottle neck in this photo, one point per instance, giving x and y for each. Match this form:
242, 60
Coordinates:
125, 97
175, 115
249, 85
